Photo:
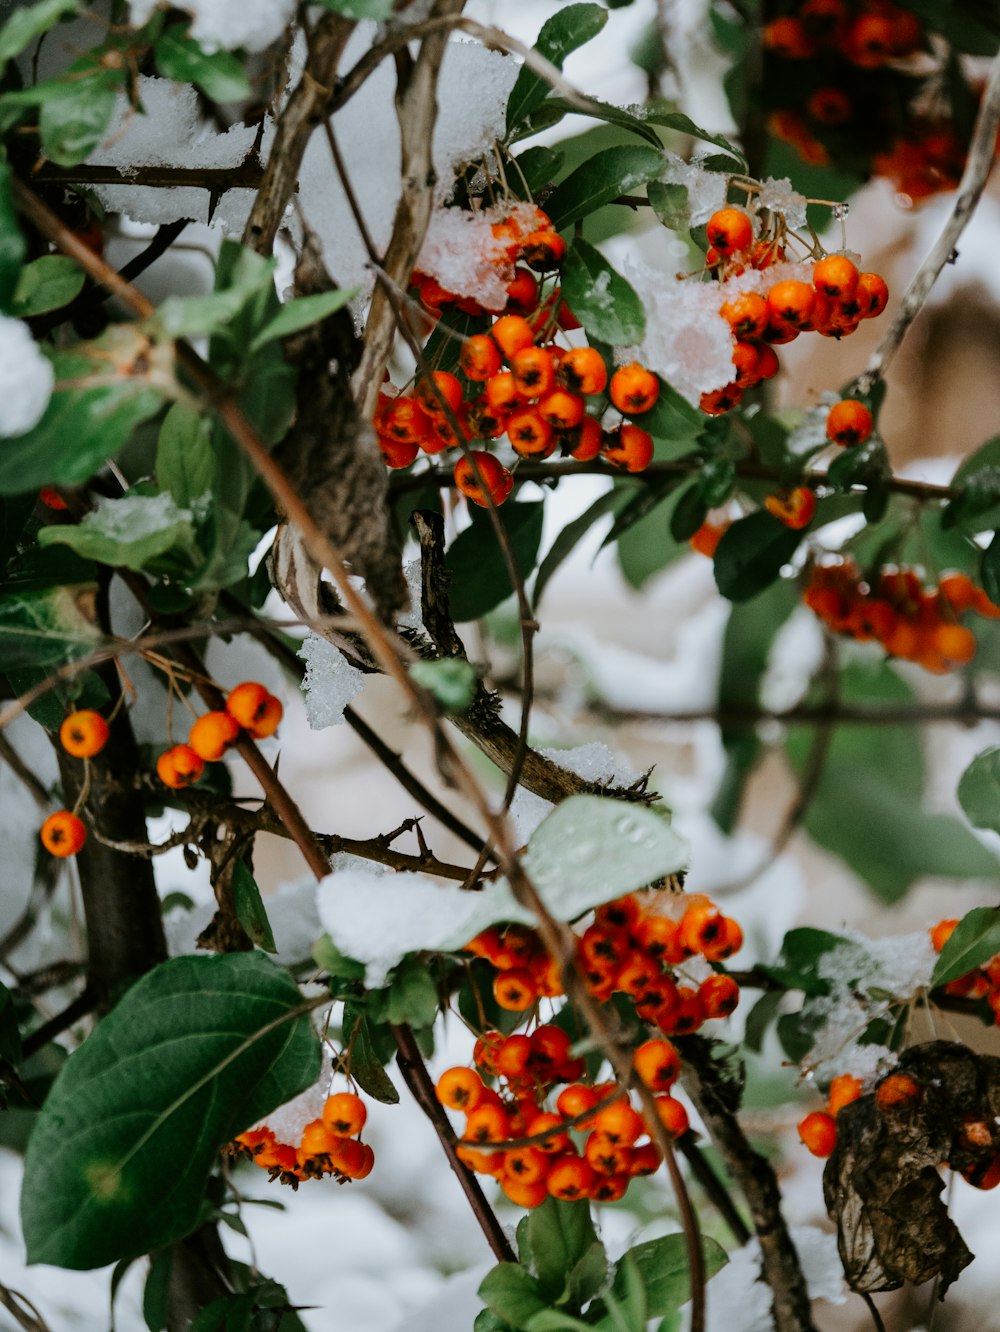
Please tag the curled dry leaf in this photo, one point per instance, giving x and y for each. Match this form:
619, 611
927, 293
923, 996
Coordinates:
882, 1184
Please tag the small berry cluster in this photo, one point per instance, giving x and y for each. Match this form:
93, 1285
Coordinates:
910, 621
329, 1145
627, 949
510, 1134
819, 1129
982, 983
830, 296
848, 89
84, 733
249, 707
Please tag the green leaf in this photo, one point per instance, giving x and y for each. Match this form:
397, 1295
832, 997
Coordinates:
451, 680
197, 1050
647, 545
538, 167
413, 996
601, 299
12, 246
185, 460
512, 1294
591, 849
47, 627
72, 126
229, 1313
366, 1068
751, 554
132, 532
572, 534
559, 1234
250, 908
298, 314
479, 578
90, 416
663, 1269
987, 455
979, 790
796, 965
689, 513
669, 203
564, 32
379, 10
975, 940
46, 284
976, 507
760, 1017
328, 956
588, 1276
156, 1293
553, 1320
672, 418
220, 76
24, 25
601, 179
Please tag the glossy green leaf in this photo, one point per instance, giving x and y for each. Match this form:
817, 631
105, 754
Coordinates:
662, 1265
195, 1052
185, 459
301, 313
47, 627
229, 1313
979, 790
600, 179
751, 555
413, 995
976, 508
72, 127
796, 966
156, 1293
689, 513
559, 1234
535, 168
46, 284
647, 544
479, 578
670, 203
378, 10
512, 1294
451, 680
219, 75
367, 1069
605, 304
975, 940
672, 418
132, 532
569, 28
29, 22
250, 910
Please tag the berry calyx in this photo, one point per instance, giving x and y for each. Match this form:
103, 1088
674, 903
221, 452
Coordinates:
179, 766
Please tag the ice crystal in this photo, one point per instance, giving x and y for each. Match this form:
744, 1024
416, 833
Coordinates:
778, 196
330, 683
706, 190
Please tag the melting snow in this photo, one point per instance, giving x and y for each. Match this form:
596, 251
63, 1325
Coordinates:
26, 379
330, 683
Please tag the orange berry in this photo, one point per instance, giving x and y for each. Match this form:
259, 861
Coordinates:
728, 942
84, 733
512, 333
843, 1090
634, 389
795, 508
746, 314
561, 409
479, 357
819, 1133
629, 448
672, 1115
604, 1155
515, 990
440, 386
787, 37
706, 540
942, 932
657, 1063
179, 766
719, 401
512, 1056
529, 435
872, 295
347, 1157
526, 1164
550, 1124
254, 709
406, 421
719, 996
582, 370
543, 250
590, 438
985, 1175
345, 1113
570, 1178
212, 734
830, 106
459, 1088
954, 642
533, 371
897, 1091
318, 1139
487, 1123
609, 1188
492, 474
575, 1100
51, 498
63, 834
791, 301
522, 293
620, 1123
657, 936
835, 276
396, 454
729, 230
364, 1169
524, 1195
701, 926
849, 422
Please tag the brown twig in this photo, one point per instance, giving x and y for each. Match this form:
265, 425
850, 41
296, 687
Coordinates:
36, 789
85, 1002
978, 165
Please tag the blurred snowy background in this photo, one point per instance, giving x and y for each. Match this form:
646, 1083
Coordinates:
399, 1251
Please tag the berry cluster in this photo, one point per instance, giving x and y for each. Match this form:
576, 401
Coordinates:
510, 1134
853, 81
829, 296
329, 1145
249, 707
983, 983
910, 621
630, 948
84, 733
819, 1129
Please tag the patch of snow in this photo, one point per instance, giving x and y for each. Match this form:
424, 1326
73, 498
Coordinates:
796, 655
462, 253
594, 762
706, 190
330, 683
228, 24
778, 196
26, 379
133, 517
